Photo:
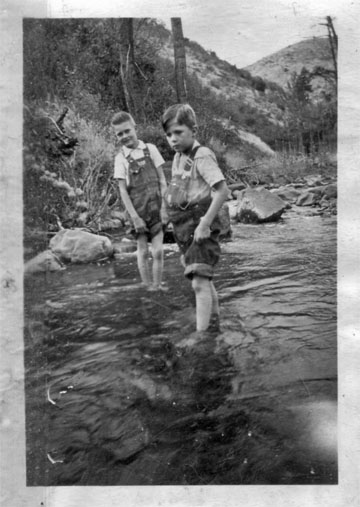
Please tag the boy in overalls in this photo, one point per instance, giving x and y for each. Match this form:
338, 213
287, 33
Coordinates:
142, 184
193, 199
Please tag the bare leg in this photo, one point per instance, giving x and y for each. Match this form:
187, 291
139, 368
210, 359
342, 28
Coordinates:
203, 297
158, 258
143, 259
215, 310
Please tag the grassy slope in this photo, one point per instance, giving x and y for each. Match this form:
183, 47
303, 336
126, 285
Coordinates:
279, 66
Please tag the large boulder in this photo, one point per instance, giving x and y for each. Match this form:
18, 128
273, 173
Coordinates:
259, 205
313, 180
80, 246
44, 262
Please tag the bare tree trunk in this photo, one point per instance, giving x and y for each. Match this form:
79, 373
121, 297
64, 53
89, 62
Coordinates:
180, 59
333, 39
126, 57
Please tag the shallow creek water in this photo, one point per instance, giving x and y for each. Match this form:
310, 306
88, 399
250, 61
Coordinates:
113, 397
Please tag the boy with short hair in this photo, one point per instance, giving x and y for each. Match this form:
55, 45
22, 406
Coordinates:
142, 184
193, 199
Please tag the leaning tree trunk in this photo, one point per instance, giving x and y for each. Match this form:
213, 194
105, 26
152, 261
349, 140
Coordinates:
126, 63
180, 60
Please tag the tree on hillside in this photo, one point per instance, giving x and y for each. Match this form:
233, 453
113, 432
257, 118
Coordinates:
127, 60
180, 59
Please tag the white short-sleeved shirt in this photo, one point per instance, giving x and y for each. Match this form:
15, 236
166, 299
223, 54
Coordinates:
204, 174
121, 168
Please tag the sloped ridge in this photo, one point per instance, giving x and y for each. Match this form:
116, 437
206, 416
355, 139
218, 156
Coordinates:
278, 67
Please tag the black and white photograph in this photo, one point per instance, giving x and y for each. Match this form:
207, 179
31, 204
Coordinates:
180, 247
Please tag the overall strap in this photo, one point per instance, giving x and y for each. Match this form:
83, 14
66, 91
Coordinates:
146, 151
190, 159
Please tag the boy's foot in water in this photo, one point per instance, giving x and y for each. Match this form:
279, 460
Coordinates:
214, 325
158, 288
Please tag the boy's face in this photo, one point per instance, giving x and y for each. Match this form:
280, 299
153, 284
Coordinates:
180, 137
126, 134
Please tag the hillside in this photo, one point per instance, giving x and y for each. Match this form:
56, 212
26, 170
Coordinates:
227, 80
311, 53
74, 65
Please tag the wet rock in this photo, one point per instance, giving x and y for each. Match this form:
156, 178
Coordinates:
43, 262
234, 187
259, 205
307, 199
288, 193
331, 190
224, 217
318, 191
80, 246
313, 180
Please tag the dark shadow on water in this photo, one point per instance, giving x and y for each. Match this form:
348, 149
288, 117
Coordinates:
119, 389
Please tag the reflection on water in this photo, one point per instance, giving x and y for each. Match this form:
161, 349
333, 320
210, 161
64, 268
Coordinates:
120, 391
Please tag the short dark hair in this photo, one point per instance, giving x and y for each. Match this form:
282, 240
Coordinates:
183, 114
122, 117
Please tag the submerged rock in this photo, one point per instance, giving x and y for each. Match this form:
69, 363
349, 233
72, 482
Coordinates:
259, 205
45, 261
80, 246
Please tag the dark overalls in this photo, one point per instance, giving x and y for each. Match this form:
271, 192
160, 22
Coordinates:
144, 192
199, 258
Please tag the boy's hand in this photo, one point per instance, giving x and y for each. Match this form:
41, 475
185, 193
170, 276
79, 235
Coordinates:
202, 231
140, 225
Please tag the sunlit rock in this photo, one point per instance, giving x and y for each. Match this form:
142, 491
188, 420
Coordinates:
80, 246
259, 205
45, 261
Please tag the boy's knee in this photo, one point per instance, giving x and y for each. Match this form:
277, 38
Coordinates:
142, 250
200, 283
157, 253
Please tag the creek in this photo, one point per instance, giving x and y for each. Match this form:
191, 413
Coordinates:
120, 392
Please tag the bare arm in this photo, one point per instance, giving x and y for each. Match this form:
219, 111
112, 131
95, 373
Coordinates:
163, 187
203, 229
162, 180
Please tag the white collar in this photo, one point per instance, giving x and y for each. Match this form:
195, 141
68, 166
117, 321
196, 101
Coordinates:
127, 151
